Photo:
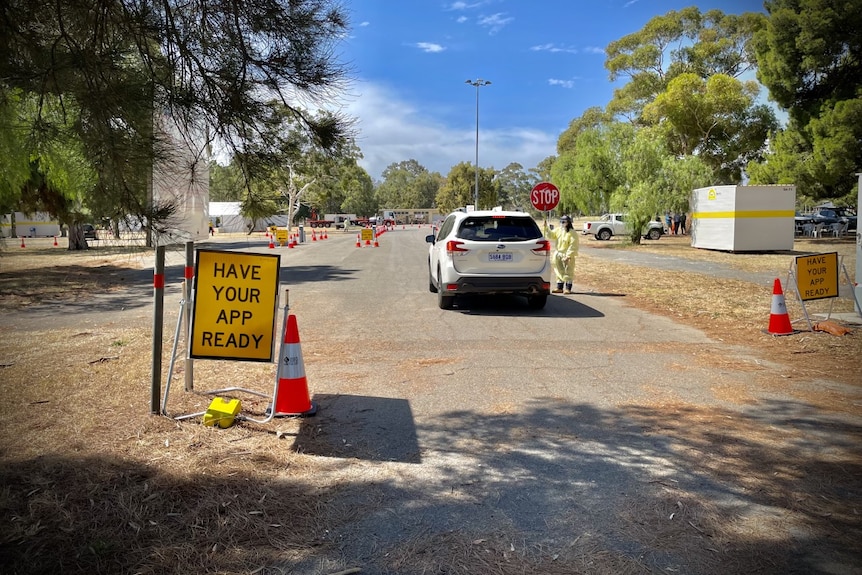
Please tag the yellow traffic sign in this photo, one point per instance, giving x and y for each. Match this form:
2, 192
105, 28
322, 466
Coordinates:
235, 305
817, 276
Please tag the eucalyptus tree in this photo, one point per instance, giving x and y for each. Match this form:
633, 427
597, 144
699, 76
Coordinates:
679, 42
716, 119
591, 172
684, 74
407, 185
457, 190
515, 185
656, 181
359, 196
542, 171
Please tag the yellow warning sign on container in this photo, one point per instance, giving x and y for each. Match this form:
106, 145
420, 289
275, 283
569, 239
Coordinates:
817, 276
235, 306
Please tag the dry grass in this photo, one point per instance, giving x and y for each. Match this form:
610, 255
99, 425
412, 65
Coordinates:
732, 310
88, 485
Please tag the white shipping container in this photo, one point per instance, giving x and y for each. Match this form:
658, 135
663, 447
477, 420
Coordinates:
38, 225
743, 218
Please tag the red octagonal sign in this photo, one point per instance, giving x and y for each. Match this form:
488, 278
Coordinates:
545, 196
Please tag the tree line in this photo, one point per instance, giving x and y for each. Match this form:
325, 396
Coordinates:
81, 84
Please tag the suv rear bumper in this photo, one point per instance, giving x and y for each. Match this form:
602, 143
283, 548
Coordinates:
504, 285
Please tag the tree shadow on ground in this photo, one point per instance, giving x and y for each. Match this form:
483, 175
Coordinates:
557, 488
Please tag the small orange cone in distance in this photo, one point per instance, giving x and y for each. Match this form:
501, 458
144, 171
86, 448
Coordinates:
22, 242
292, 396
358, 241
55, 242
779, 320
271, 243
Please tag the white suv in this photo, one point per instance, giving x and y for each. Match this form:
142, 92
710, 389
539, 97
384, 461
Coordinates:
489, 252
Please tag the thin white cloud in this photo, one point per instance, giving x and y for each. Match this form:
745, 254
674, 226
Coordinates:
461, 19
391, 130
495, 22
553, 48
429, 47
562, 83
464, 5
629, 3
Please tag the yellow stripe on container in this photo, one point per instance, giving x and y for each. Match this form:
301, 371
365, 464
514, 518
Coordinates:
746, 214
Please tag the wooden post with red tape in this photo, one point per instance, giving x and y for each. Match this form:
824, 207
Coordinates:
158, 325
187, 296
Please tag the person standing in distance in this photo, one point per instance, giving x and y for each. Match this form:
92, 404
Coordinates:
565, 251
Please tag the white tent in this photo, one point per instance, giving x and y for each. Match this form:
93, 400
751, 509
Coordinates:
228, 217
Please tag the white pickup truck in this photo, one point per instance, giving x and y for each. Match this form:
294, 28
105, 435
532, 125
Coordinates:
615, 224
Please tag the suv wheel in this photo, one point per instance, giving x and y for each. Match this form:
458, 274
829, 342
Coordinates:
604, 234
443, 301
654, 234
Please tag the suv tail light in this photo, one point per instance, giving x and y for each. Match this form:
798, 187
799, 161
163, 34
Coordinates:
453, 246
588, 225
543, 248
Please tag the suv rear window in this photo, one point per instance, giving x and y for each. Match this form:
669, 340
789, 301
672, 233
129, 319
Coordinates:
499, 228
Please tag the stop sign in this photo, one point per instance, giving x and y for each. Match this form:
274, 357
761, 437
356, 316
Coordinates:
545, 196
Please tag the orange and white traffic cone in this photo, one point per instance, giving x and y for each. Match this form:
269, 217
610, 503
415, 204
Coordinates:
376, 243
22, 242
55, 242
271, 243
291, 395
313, 236
358, 241
779, 320
325, 235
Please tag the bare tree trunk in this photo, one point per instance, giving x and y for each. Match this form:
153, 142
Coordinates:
76, 238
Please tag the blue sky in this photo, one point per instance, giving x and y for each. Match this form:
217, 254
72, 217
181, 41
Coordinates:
409, 60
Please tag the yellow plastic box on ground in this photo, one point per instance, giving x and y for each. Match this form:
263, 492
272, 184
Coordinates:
222, 412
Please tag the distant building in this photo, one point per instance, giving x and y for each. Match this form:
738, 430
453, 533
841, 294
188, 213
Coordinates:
38, 225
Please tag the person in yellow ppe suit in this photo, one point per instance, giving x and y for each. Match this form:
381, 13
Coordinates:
565, 251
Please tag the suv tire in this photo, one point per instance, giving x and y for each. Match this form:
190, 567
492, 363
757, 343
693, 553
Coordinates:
443, 301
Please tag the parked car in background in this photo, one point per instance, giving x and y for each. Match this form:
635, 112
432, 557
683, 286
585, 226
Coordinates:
489, 252
90, 232
828, 216
847, 215
617, 225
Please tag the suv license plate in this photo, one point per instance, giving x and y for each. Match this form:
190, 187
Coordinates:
500, 257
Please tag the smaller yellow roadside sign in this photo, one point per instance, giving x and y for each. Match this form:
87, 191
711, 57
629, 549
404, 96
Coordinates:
281, 236
817, 276
367, 234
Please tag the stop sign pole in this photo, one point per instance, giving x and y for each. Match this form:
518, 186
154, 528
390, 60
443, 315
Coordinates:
545, 196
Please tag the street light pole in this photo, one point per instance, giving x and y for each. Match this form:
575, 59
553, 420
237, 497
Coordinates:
478, 83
